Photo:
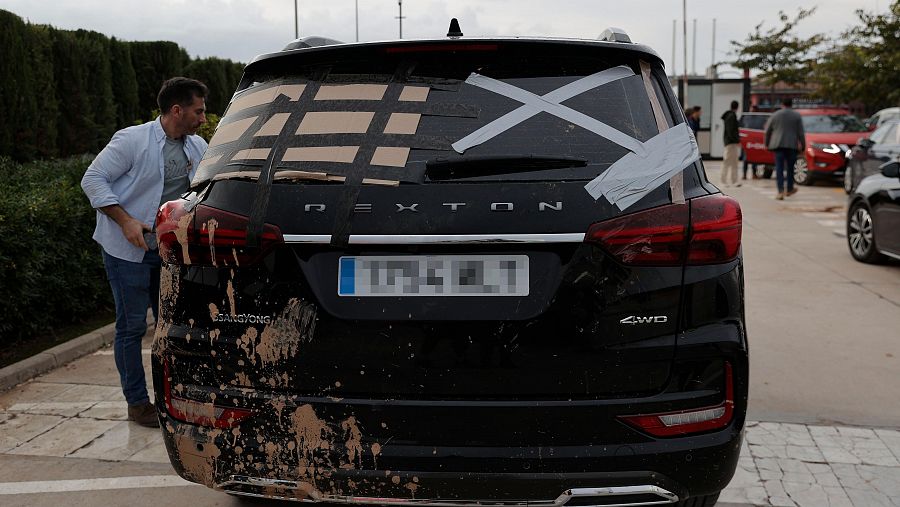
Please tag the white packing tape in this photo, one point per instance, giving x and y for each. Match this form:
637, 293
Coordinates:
549, 103
632, 177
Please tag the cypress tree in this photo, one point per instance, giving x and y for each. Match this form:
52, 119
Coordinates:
154, 62
211, 71
21, 90
70, 69
98, 89
65, 92
44, 90
124, 83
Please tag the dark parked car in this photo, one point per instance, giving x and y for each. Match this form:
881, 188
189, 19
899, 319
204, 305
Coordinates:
454, 272
873, 216
871, 153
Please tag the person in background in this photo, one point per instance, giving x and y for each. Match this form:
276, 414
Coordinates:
752, 166
732, 141
785, 136
142, 167
693, 119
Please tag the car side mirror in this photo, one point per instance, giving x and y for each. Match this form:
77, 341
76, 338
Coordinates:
890, 169
865, 143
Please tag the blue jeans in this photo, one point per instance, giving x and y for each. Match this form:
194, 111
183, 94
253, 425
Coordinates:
135, 286
785, 158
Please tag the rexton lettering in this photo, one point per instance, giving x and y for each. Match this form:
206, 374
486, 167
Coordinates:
453, 207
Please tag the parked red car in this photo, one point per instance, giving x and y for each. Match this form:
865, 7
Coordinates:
752, 132
830, 134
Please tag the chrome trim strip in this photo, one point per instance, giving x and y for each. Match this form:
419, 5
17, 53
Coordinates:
308, 238
665, 496
440, 239
889, 254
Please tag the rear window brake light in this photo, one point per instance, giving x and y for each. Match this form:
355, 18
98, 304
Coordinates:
441, 48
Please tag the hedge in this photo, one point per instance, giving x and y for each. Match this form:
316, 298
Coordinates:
51, 271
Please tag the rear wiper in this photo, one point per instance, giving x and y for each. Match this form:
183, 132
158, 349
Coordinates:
438, 169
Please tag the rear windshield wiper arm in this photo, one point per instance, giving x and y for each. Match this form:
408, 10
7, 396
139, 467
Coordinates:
488, 165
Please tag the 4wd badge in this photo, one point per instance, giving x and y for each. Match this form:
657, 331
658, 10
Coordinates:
635, 320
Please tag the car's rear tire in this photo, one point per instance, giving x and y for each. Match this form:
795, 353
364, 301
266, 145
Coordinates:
849, 184
861, 234
700, 501
802, 175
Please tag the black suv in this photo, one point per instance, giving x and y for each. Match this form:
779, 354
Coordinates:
454, 272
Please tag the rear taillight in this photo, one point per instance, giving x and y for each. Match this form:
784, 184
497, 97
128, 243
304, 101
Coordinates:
195, 412
715, 230
707, 230
209, 236
689, 421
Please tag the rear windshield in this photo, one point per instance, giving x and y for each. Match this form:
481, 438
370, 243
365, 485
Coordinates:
824, 123
754, 121
392, 118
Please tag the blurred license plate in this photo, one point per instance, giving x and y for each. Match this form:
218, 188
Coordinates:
433, 275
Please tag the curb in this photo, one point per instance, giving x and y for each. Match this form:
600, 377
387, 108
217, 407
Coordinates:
55, 357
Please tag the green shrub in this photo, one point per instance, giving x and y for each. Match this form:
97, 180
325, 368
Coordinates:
207, 130
51, 271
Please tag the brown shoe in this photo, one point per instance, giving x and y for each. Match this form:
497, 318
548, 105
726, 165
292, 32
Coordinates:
144, 414
779, 196
791, 192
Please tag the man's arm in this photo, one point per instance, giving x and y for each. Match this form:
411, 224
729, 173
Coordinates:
132, 228
110, 164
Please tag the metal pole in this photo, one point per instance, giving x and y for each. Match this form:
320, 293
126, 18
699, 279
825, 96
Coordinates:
712, 61
684, 98
296, 22
674, 44
357, 20
400, 17
694, 54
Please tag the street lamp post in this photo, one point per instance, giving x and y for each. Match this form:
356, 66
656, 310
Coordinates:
296, 22
400, 17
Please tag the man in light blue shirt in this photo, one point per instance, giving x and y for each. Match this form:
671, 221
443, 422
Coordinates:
142, 167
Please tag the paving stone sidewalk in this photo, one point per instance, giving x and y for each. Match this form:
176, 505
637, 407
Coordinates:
77, 411
817, 466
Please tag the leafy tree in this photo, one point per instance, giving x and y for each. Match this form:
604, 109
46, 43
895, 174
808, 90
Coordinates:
777, 53
863, 65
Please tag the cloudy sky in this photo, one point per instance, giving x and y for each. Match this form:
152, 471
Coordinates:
242, 29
